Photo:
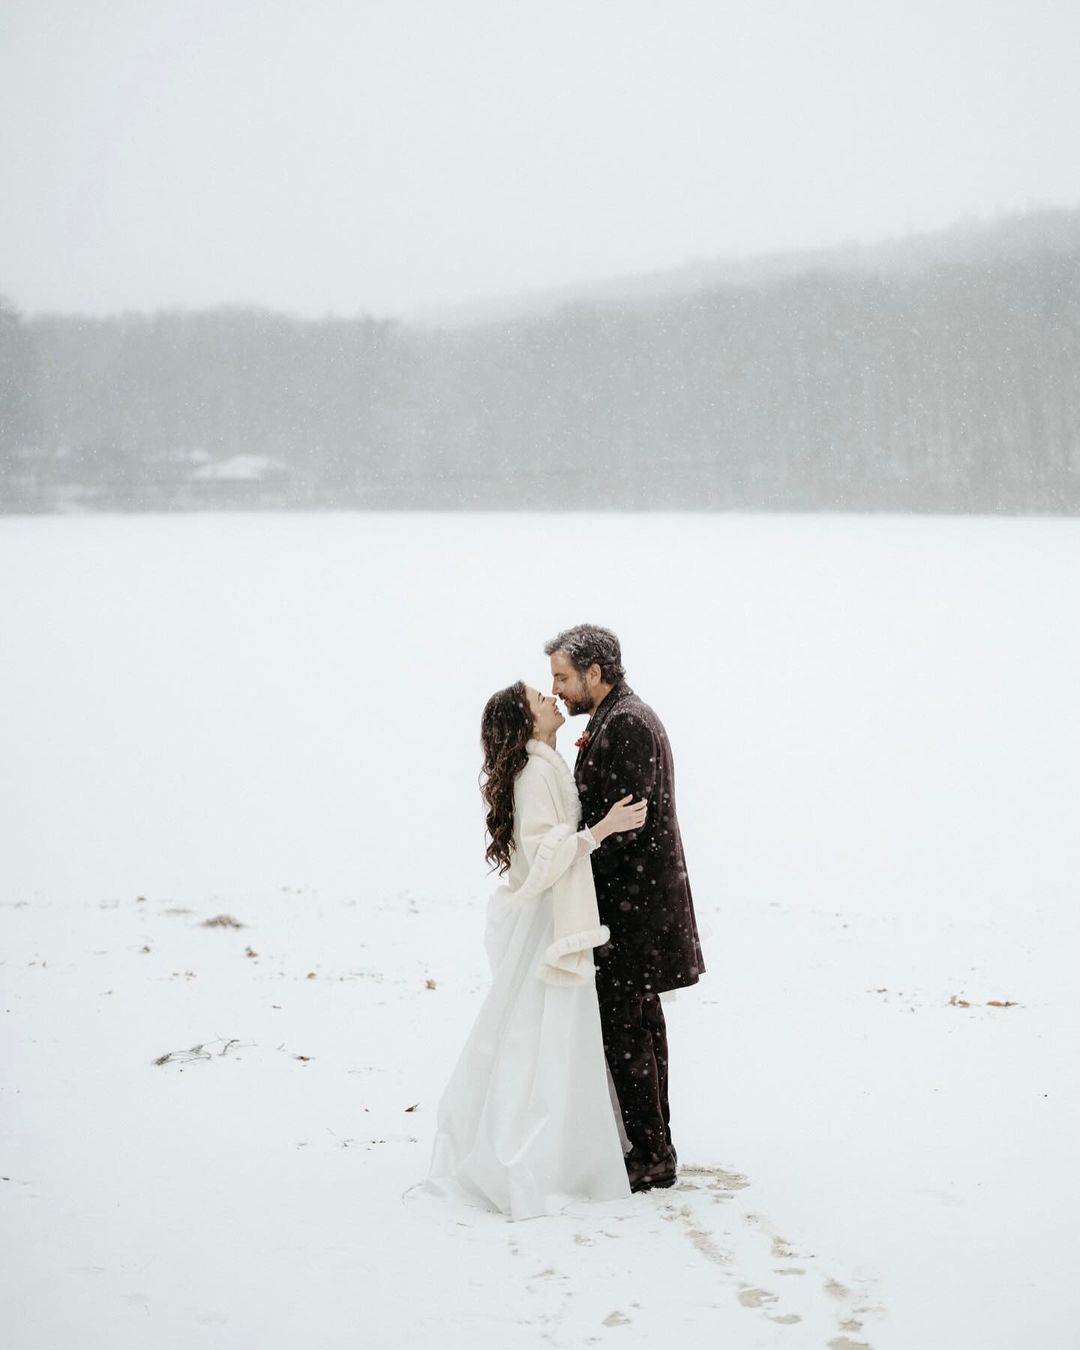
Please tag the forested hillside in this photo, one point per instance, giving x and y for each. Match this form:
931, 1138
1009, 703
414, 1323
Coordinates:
927, 381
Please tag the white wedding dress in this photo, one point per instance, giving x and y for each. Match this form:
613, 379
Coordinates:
529, 1120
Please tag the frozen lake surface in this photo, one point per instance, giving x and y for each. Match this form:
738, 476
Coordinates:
274, 719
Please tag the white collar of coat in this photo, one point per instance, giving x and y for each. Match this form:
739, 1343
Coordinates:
567, 785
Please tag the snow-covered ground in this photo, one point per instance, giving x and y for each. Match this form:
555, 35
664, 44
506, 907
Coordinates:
274, 719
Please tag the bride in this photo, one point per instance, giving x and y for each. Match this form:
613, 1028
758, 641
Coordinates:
529, 1119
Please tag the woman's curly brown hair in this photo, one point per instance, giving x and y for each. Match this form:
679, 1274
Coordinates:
505, 726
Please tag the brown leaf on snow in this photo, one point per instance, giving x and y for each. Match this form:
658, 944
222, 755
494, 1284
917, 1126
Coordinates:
1002, 1003
305, 1058
429, 984
955, 1002
222, 921
310, 975
413, 1107
250, 951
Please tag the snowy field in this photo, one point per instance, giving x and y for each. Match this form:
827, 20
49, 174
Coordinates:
272, 721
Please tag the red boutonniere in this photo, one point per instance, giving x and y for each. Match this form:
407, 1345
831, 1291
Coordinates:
582, 741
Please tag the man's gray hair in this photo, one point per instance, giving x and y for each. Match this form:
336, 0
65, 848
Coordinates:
588, 644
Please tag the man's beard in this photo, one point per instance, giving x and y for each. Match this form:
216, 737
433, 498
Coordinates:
576, 706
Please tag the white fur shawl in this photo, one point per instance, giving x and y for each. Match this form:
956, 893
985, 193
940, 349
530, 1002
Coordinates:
546, 816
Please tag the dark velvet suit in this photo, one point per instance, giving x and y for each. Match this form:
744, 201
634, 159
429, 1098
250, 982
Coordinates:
643, 894
642, 889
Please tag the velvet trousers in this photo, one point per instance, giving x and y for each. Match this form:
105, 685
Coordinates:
635, 1045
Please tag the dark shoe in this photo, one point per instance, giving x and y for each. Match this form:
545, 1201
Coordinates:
653, 1183
645, 1176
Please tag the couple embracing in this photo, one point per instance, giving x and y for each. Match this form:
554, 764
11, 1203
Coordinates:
560, 1092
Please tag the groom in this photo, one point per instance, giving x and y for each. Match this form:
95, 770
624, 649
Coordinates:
642, 889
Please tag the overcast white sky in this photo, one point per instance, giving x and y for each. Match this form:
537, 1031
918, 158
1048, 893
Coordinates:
386, 155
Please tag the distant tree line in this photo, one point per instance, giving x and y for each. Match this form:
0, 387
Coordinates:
950, 387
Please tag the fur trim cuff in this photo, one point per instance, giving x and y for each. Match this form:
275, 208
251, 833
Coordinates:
569, 960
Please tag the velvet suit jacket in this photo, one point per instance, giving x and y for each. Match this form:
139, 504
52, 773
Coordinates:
642, 888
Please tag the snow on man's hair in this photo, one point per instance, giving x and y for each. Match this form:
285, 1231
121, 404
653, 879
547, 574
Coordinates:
588, 644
